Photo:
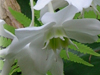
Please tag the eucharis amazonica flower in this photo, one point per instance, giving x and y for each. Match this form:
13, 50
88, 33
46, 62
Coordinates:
31, 60
58, 29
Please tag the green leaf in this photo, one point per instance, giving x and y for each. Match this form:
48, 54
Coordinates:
4, 42
25, 7
74, 58
25, 21
9, 28
83, 49
15, 68
1, 64
37, 23
72, 68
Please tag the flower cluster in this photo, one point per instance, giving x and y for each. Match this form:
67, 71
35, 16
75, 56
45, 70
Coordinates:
37, 48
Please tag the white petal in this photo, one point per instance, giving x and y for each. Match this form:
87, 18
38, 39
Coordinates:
65, 14
82, 36
83, 30
90, 26
41, 56
31, 31
32, 60
56, 4
80, 4
4, 32
86, 3
41, 3
7, 67
26, 63
57, 67
17, 45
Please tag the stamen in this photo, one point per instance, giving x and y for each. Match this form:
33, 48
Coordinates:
67, 52
46, 45
32, 10
73, 44
82, 14
47, 54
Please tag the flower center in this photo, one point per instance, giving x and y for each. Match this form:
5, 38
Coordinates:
56, 38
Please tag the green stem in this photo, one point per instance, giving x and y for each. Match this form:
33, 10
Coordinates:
32, 22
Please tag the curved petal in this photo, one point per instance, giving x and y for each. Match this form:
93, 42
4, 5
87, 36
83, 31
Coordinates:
80, 4
57, 67
41, 3
83, 30
7, 67
56, 4
90, 26
68, 14
82, 36
26, 63
17, 45
31, 31
4, 32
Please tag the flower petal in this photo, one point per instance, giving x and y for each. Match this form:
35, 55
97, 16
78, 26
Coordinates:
91, 26
83, 28
82, 36
57, 67
26, 63
41, 3
80, 4
36, 60
56, 4
68, 13
31, 31
45, 56
4, 32
18, 44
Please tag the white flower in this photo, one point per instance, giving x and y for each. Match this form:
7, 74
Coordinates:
31, 60
43, 5
58, 28
56, 3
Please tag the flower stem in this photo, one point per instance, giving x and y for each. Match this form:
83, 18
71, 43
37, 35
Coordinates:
50, 7
32, 22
